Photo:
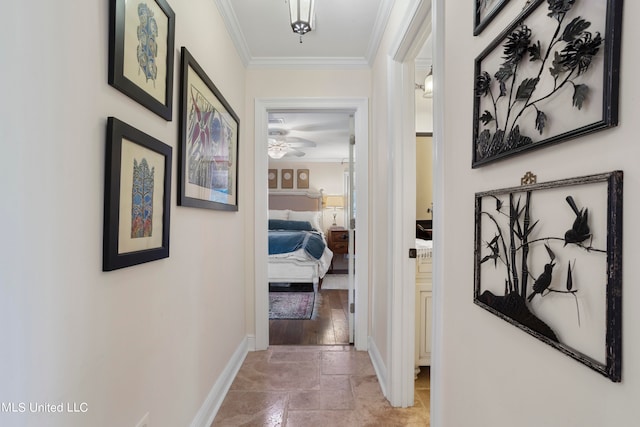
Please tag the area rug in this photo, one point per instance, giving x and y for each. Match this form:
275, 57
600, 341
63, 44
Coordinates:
291, 305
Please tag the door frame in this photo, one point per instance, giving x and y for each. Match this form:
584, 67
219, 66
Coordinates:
359, 107
402, 134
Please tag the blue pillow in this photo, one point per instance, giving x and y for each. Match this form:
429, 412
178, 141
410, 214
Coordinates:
283, 224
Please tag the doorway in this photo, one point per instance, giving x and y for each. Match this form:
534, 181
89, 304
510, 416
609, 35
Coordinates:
358, 107
316, 144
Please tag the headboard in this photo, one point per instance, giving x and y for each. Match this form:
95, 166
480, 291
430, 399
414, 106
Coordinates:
296, 200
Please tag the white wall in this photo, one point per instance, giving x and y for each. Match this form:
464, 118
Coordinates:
150, 338
328, 176
494, 374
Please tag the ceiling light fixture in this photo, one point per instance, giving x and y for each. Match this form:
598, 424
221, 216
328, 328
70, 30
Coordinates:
428, 84
276, 149
301, 15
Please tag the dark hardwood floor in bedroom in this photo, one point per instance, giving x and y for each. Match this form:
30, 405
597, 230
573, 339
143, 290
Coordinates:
329, 325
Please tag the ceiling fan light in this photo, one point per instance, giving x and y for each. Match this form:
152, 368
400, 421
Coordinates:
301, 14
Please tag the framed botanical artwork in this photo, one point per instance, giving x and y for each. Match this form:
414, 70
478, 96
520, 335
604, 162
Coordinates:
552, 75
287, 178
273, 178
136, 197
209, 132
303, 178
141, 51
485, 11
548, 259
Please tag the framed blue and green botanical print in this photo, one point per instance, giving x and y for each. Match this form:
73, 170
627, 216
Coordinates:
136, 197
141, 43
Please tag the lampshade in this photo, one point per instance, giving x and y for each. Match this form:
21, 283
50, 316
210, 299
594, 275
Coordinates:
334, 202
301, 14
428, 84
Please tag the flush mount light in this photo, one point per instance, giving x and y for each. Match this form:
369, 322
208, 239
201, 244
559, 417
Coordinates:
301, 16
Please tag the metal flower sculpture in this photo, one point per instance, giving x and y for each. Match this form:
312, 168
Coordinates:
559, 62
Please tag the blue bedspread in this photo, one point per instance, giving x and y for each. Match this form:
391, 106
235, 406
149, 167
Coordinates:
281, 242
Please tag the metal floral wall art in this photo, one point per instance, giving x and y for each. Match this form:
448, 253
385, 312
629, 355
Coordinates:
485, 11
548, 260
552, 75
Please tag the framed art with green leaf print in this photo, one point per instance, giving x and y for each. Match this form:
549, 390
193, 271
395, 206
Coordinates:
552, 75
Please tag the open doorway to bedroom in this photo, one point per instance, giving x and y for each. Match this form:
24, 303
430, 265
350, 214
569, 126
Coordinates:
357, 108
311, 186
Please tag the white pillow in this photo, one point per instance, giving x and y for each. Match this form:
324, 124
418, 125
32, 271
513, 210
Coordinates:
279, 214
312, 216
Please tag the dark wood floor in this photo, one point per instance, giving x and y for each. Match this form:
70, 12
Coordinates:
328, 326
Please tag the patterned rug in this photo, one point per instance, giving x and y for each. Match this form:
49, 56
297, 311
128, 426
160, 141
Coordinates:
291, 305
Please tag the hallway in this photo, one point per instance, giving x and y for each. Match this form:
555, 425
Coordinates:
331, 386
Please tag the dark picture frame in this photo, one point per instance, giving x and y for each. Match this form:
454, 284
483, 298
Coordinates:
528, 95
141, 52
209, 142
137, 197
286, 179
484, 12
302, 178
548, 260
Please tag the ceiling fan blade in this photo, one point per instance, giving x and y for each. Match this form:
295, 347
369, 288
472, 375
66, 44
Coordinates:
295, 153
315, 127
294, 141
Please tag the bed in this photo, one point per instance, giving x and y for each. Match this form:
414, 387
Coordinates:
297, 217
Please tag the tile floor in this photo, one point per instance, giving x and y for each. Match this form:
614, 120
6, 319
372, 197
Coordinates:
291, 386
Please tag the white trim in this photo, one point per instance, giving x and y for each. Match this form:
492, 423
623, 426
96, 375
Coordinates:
233, 27
401, 297
360, 108
378, 366
437, 336
207, 412
384, 12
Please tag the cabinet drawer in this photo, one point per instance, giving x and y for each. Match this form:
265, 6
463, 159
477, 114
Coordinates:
340, 247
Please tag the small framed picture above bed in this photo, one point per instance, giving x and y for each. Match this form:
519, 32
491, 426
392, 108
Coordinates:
287, 178
303, 178
273, 178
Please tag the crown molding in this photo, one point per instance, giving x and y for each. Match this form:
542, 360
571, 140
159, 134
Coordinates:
233, 27
384, 12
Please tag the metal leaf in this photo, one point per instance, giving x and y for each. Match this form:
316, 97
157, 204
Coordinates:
579, 95
535, 52
541, 121
486, 117
550, 252
526, 89
569, 277
557, 67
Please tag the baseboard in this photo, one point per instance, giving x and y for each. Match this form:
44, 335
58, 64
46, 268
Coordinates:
378, 366
211, 405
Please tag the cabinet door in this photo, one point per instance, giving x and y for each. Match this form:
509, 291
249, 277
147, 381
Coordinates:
424, 338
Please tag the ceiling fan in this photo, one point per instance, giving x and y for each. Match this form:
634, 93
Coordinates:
281, 145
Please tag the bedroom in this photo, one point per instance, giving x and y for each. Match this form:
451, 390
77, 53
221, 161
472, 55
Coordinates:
309, 181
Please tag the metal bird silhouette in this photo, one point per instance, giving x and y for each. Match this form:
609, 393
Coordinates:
543, 281
579, 232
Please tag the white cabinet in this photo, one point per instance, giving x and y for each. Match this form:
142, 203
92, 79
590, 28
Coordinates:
423, 311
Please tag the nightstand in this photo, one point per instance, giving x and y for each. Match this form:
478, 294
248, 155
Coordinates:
338, 241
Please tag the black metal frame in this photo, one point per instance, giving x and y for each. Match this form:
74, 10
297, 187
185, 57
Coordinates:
613, 341
610, 79
480, 22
